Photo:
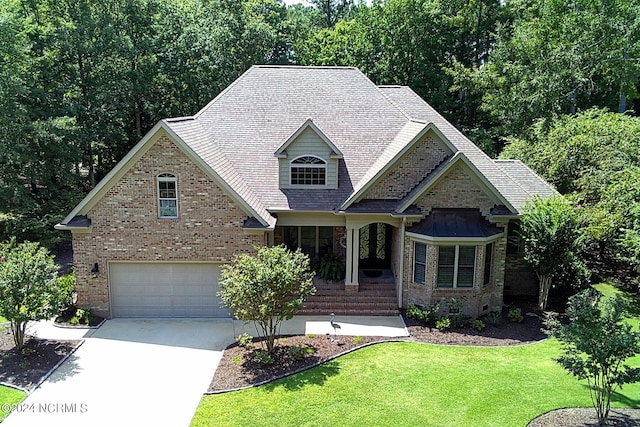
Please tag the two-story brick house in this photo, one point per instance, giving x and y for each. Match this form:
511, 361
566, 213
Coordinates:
313, 157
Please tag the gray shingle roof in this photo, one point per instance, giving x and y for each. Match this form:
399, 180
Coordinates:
238, 132
507, 184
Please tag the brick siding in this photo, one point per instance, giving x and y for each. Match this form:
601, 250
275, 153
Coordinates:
457, 190
126, 226
410, 170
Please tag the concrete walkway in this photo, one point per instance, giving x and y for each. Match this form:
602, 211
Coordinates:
153, 371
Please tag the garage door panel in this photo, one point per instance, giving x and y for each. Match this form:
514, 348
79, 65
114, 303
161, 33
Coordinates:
165, 290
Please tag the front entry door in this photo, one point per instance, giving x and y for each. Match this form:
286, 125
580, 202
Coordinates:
375, 246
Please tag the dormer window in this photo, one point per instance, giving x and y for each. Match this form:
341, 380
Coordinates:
167, 196
308, 170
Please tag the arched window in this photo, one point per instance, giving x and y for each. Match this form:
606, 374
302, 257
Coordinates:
167, 196
308, 170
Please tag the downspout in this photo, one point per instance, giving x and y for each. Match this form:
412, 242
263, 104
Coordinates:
401, 280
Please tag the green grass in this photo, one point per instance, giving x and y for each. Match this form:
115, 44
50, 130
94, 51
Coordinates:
9, 396
633, 303
410, 384
3, 320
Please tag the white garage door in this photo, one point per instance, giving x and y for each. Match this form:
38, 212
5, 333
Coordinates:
165, 290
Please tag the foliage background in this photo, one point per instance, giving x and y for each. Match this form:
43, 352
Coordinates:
83, 81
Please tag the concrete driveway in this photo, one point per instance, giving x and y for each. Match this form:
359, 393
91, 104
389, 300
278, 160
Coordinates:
148, 372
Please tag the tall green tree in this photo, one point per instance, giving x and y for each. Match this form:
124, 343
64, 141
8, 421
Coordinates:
551, 242
595, 158
330, 12
555, 57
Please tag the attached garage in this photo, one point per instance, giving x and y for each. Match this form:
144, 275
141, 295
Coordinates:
158, 289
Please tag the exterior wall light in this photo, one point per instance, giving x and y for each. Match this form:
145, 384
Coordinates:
95, 270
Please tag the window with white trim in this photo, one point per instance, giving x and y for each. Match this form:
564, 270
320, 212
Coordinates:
167, 196
456, 266
308, 170
419, 263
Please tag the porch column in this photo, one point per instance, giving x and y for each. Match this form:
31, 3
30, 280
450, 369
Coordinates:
353, 256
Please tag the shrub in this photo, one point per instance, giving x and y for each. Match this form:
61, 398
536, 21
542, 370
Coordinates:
356, 340
67, 285
263, 357
331, 268
296, 352
515, 315
477, 324
460, 321
267, 288
245, 340
493, 318
423, 315
237, 360
30, 288
84, 315
443, 324
311, 336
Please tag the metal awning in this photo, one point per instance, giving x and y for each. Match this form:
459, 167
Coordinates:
455, 224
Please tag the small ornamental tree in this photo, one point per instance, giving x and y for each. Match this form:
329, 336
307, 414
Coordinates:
596, 342
267, 288
30, 289
551, 241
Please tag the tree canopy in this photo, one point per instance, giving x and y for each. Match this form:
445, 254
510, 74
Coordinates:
82, 81
593, 157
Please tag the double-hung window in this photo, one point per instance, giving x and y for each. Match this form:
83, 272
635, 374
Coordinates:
419, 263
456, 266
167, 196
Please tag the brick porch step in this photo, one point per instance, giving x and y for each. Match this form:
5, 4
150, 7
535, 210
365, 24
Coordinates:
372, 299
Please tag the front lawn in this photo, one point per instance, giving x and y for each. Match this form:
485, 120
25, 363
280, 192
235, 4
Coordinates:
413, 384
9, 396
407, 384
3, 320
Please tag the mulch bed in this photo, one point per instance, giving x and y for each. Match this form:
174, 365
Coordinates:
25, 369
586, 417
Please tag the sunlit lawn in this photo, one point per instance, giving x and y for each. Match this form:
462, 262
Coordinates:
9, 396
411, 384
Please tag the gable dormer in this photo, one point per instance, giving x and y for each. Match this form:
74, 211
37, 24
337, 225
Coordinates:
308, 159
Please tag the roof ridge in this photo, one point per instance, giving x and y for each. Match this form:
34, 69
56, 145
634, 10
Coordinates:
179, 119
223, 92
319, 67
378, 88
510, 177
